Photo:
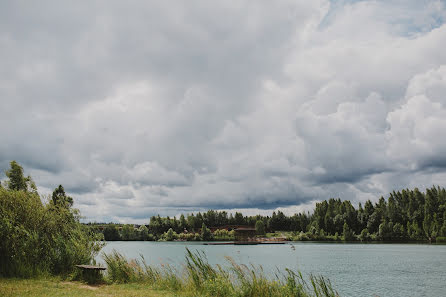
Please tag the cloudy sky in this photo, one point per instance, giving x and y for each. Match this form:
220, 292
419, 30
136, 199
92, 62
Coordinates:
146, 107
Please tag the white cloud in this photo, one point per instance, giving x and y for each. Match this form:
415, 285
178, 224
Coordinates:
158, 108
416, 128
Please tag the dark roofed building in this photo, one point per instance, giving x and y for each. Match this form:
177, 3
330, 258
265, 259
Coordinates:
245, 233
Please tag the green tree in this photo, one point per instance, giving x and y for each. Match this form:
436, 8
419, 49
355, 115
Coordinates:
17, 181
128, 232
170, 235
111, 233
398, 231
338, 222
206, 234
322, 234
414, 231
36, 239
443, 228
60, 198
430, 208
385, 230
183, 223
260, 227
347, 233
365, 235
143, 233
239, 219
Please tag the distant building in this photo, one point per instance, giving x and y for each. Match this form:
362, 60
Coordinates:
245, 234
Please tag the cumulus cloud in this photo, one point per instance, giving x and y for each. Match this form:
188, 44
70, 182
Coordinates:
147, 108
415, 137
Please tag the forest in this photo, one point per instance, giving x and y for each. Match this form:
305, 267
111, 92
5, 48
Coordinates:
407, 215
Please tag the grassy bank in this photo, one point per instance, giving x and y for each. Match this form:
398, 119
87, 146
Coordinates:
196, 277
58, 287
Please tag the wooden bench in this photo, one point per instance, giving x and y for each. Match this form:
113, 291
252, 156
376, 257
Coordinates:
90, 267
90, 273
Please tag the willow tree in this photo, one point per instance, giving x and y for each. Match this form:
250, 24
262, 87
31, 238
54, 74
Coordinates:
17, 181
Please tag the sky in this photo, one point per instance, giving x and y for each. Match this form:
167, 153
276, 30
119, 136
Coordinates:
141, 108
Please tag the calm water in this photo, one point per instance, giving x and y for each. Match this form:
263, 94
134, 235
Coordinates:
354, 269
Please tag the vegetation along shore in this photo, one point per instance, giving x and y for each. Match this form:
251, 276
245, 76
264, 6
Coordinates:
407, 215
43, 240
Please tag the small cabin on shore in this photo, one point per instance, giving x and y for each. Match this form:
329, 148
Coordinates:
245, 234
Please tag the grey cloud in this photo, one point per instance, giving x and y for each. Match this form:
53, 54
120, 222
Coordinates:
150, 107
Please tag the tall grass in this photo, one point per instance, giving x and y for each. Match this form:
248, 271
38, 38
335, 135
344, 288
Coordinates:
198, 277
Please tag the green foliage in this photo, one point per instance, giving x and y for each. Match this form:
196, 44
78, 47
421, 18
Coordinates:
224, 234
385, 230
41, 238
118, 268
405, 215
128, 233
60, 198
337, 237
414, 232
347, 233
398, 232
170, 235
206, 234
443, 230
189, 237
17, 181
111, 232
365, 235
260, 227
143, 232
199, 278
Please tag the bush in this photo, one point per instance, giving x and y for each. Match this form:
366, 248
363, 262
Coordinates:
365, 235
187, 236
441, 239
170, 235
41, 238
302, 237
224, 234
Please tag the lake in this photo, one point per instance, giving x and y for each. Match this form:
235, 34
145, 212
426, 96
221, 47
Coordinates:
355, 270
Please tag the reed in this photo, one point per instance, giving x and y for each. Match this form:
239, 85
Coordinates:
199, 278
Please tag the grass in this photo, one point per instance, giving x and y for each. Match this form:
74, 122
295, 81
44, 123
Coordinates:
196, 278
58, 287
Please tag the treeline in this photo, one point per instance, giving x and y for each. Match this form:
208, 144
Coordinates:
40, 237
407, 215
130, 232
